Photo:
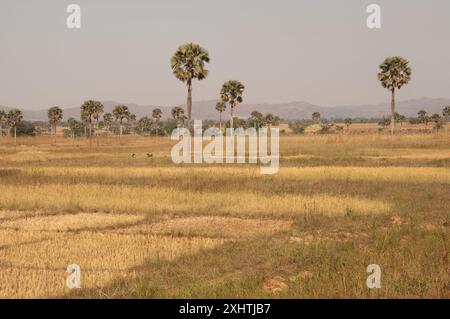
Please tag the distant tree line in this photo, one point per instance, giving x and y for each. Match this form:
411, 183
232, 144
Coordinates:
188, 64
11, 121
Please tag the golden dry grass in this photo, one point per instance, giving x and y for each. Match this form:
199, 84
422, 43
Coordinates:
37, 268
156, 201
147, 228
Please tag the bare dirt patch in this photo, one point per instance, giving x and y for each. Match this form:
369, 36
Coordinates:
275, 285
319, 236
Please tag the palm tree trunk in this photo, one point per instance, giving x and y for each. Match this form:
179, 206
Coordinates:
231, 115
96, 133
54, 134
393, 113
15, 135
189, 101
220, 120
120, 131
90, 133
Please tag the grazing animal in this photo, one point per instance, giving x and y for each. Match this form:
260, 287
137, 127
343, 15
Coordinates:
133, 155
150, 155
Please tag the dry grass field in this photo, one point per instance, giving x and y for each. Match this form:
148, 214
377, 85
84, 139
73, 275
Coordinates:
147, 228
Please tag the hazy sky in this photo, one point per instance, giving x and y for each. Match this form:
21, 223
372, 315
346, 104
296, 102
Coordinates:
319, 51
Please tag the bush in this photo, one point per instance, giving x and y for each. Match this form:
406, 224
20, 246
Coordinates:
297, 127
169, 126
26, 129
414, 121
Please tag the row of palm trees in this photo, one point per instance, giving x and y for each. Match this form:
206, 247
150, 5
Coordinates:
92, 111
422, 117
10, 120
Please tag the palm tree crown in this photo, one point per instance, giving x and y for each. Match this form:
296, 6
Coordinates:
394, 73
55, 114
258, 119
221, 106
157, 114
271, 120
177, 113
188, 63
121, 112
14, 117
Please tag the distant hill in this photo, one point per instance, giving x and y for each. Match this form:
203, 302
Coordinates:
289, 111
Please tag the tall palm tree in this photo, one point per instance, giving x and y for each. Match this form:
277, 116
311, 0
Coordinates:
55, 115
188, 63
394, 74
120, 113
90, 111
221, 107
157, 114
2, 120
232, 92
13, 118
